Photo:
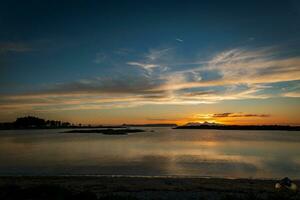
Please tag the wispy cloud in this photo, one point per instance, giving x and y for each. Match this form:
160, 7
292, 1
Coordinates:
154, 58
155, 54
222, 115
241, 66
143, 65
295, 94
229, 75
228, 116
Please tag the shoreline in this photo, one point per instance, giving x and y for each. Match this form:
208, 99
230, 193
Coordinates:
138, 177
149, 187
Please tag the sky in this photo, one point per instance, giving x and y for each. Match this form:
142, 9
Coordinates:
114, 62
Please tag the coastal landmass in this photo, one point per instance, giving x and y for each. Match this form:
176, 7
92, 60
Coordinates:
32, 122
207, 125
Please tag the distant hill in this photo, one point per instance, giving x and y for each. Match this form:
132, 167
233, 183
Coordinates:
204, 123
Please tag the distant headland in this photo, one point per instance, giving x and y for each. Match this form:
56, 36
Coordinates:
208, 125
31, 122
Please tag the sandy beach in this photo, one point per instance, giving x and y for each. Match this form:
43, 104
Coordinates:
93, 187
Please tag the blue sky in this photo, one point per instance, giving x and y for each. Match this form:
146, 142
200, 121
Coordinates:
85, 57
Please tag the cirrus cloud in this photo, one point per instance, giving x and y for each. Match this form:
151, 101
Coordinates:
234, 74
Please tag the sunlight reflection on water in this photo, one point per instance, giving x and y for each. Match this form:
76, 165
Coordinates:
164, 152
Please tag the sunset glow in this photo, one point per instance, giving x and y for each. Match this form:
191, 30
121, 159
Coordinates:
150, 99
152, 70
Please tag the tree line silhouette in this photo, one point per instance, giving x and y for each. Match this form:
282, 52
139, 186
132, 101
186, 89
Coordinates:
34, 122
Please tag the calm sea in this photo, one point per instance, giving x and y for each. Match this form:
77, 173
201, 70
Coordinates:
164, 152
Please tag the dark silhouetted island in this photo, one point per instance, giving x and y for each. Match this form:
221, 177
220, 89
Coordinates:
207, 125
31, 122
107, 131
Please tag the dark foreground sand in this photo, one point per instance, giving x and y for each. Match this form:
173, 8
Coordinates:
91, 187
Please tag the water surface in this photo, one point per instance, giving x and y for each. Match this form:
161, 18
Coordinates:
164, 152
